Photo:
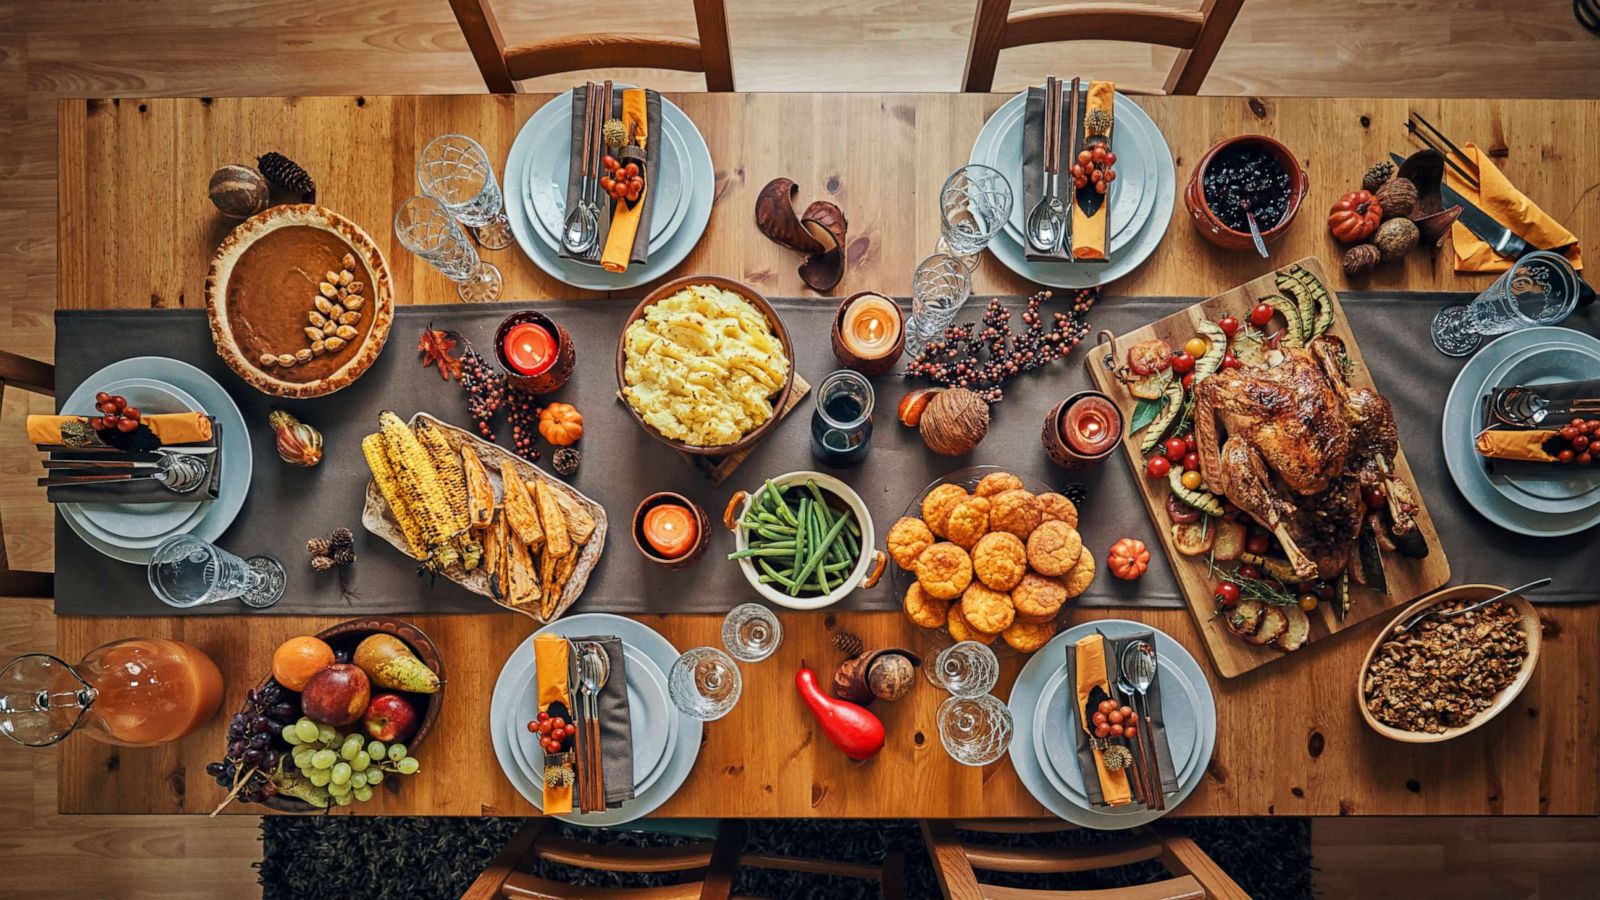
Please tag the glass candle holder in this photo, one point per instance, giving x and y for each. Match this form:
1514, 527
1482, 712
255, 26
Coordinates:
1082, 430
536, 353
841, 422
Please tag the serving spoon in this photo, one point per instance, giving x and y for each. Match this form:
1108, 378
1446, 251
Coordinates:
1255, 229
1432, 611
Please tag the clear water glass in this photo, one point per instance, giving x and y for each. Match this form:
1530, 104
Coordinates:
185, 571
967, 669
974, 205
426, 228
751, 632
939, 288
975, 731
1540, 288
455, 170
704, 683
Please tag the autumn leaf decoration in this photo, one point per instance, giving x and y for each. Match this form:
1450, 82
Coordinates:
435, 347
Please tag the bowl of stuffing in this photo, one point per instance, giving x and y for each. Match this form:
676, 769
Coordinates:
704, 364
1448, 675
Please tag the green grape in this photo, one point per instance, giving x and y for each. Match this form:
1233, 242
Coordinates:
344, 799
326, 734
305, 730
324, 758
362, 793
302, 754
376, 750
341, 772
361, 761
358, 779
407, 766
351, 746
290, 736
338, 789
319, 777
374, 776
397, 752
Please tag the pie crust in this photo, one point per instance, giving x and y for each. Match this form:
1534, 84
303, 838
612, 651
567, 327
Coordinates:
291, 243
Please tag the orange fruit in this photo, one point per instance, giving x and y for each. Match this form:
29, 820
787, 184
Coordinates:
299, 658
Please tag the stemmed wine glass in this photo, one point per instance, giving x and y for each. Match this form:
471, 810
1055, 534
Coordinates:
939, 287
186, 571
751, 632
425, 228
704, 683
974, 205
975, 731
1541, 288
455, 170
965, 669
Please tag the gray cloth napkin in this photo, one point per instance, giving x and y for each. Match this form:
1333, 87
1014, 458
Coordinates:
143, 491
1033, 166
1156, 722
616, 723
652, 150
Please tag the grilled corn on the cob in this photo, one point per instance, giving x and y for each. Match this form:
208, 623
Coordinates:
419, 485
383, 475
453, 481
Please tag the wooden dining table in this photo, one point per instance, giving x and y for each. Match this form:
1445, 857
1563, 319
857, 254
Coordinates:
136, 230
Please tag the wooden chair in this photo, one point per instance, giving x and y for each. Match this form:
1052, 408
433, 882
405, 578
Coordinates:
1198, 35
1194, 874
504, 66
39, 378
710, 866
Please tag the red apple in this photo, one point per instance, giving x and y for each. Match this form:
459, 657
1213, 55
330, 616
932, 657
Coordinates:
336, 695
390, 718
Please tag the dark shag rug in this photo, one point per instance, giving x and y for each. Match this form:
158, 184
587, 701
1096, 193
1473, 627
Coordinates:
426, 858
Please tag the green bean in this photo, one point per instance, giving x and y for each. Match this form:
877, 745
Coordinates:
839, 566
769, 535
776, 575
815, 558
761, 551
776, 496
801, 534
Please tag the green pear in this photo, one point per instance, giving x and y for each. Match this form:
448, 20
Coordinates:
391, 664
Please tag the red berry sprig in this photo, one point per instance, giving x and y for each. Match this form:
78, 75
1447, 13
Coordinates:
982, 361
622, 180
1093, 166
553, 731
114, 413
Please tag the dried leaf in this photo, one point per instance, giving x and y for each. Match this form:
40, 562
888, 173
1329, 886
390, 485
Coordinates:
435, 346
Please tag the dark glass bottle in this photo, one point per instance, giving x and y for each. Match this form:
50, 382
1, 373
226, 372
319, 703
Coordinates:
841, 423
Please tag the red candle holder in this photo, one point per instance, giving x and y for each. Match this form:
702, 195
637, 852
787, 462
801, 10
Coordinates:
545, 375
1082, 430
702, 534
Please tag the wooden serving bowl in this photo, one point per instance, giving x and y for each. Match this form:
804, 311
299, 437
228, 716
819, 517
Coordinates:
778, 331
1507, 695
1210, 225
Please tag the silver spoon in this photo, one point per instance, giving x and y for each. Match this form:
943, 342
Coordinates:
1047, 219
1138, 663
1255, 229
582, 225
1141, 768
1431, 611
596, 671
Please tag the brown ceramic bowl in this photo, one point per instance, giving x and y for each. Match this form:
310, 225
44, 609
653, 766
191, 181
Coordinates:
872, 368
781, 333
1207, 221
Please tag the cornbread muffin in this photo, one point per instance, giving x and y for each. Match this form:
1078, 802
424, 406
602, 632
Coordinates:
1026, 637
1037, 620
1077, 581
1000, 560
1016, 511
1057, 508
924, 610
986, 609
959, 630
944, 571
937, 505
968, 521
907, 539
1054, 548
1038, 596
997, 483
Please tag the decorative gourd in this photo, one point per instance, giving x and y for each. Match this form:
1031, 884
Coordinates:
1355, 217
561, 424
298, 444
1129, 559
849, 726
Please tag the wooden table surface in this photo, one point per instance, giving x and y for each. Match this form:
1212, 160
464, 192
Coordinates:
136, 230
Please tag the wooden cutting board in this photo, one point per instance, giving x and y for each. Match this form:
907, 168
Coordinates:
1407, 578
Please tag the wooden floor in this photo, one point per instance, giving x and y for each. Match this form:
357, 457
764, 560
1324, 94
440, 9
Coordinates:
222, 47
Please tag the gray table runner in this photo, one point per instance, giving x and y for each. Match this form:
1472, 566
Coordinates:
621, 464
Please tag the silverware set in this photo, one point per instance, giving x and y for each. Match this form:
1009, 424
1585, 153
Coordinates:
580, 233
1136, 673
1049, 226
593, 669
1525, 407
180, 473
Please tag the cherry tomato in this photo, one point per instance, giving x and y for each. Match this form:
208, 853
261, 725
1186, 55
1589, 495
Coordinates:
1580, 443
1568, 432
1257, 544
1115, 717
1229, 362
1226, 594
557, 722
1191, 462
107, 407
1323, 590
1592, 426
1102, 731
1192, 480
1098, 152
533, 727
1117, 731
1196, 346
1106, 706
632, 169
119, 401
1110, 176
1188, 440
1077, 171
1229, 325
1566, 456
1099, 718
1307, 602
126, 425
1084, 156
1584, 458
544, 716
1111, 157
1249, 571
1129, 730
1176, 448
1261, 315
1374, 496
1182, 362
1580, 421
1129, 718
1158, 467
634, 193
101, 397
1099, 187
131, 412
1188, 381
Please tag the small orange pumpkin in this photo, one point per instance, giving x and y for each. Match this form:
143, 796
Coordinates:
1129, 559
1355, 217
561, 424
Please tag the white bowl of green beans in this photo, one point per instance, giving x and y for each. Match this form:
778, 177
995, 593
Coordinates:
804, 540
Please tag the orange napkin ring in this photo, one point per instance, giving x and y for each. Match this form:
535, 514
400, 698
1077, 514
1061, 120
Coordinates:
550, 654
1091, 674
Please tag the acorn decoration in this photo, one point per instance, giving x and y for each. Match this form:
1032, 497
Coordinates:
887, 674
239, 192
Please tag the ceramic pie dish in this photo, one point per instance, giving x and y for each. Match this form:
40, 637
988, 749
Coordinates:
269, 290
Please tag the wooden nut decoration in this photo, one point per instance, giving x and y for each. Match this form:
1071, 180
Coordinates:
819, 232
886, 674
239, 192
954, 422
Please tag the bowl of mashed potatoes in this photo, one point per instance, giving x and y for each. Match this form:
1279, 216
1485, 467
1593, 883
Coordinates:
705, 365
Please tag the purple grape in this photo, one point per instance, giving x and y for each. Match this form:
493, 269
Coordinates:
285, 712
258, 724
342, 656
235, 748
253, 757
261, 741
271, 693
214, 769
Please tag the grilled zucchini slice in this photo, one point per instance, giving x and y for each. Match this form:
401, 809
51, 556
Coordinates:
1172, 404
1205, 501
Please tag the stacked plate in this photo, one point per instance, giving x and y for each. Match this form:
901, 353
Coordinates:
1528, 498
536, 196
156, 384
1141, 198
1044, 744
665, 742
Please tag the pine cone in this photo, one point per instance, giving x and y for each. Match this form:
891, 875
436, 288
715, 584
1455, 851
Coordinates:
286, 174
319, 546
566, 461
847, 643
1377, 175
341, 537
343, 556
321, 563
1076, 491
1118, 757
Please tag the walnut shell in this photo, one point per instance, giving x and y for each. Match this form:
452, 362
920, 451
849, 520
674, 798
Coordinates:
954, 422
1398, 198
1396, 237
1361, 259
239, 191
890, 676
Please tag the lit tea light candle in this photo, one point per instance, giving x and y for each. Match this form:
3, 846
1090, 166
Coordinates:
529, 348
871, 326
1091, 425
671, 529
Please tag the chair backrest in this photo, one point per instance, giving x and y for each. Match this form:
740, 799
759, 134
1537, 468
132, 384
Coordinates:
1193, 874
503, 66
708, 867
39, 378
1198, 35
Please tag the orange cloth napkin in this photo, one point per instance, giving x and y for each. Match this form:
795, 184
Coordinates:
169, 428
1089, 232
1523, 445
550, 665
625, 221
1511, 208
1091, 656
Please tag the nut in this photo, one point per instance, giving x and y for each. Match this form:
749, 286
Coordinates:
326, 289
303, 356
355, 287
914, 403
331, 278
349, 262
286, 359
346, 332
325, 306
239, 191
313, 333
317, 320
334, 344
954, 421
354, 302
267, 360
1361, 259
345, 277
1398, 198
1396, 237
349, 318
318, 347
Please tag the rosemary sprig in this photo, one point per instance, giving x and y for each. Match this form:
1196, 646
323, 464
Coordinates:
1259, 590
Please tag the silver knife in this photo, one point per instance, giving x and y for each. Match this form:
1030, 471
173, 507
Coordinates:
1497, 236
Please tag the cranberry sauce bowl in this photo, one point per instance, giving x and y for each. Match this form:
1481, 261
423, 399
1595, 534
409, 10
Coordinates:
1252, 168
